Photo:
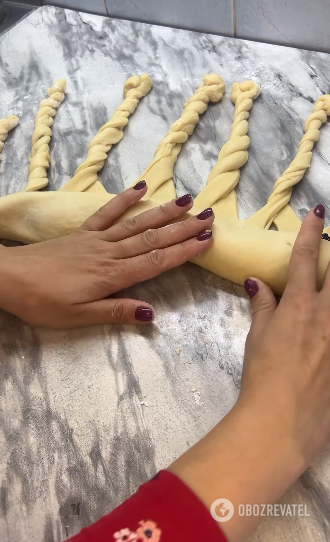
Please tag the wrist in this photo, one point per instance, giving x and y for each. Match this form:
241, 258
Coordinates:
11, 287
245, 459
267, 443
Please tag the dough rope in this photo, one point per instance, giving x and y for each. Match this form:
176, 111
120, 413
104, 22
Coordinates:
225, 174
282, 190
6, 125
239, 249
159, 174
39, 157
85, 177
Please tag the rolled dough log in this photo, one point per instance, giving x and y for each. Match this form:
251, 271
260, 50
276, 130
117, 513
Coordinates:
240, 248
235, 254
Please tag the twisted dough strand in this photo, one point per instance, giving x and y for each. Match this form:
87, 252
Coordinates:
6, 125
282, 190
225, 174
85, 177
39, 157
160, 171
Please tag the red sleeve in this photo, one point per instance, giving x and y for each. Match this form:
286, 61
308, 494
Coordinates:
162, 510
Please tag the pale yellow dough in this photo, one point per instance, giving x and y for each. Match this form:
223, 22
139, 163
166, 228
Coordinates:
85, 177
159, 174
240, 248
5, 126
39, 157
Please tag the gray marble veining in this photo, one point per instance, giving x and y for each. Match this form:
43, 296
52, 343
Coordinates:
87, 415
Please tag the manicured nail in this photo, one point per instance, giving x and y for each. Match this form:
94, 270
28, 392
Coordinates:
204, 235
140, 185
143, 314
205, 214
184, 200
251, 287
319, 211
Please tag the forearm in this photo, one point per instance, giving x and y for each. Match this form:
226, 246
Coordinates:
19, 286
243, 460
11, 281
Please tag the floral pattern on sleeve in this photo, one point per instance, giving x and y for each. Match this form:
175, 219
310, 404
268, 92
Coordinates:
146, 532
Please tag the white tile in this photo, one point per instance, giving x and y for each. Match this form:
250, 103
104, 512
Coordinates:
90, 6
213, 16
299, 23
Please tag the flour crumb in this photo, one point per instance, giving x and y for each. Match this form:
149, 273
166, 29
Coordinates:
178, 350
197, 397
145, 403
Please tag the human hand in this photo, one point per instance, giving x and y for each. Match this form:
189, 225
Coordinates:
281, 420
287, 358
65, 282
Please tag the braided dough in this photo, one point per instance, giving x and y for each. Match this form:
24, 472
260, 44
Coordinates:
5, 126
85, 177
240, 248
219, 191
39, 157
159, 174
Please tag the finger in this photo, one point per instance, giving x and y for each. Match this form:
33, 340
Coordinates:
154, 218
263, 305
115, 311
305, 254
111, 211
147, 266
164, 237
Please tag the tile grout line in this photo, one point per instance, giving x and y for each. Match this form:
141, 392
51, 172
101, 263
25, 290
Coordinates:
106, 8
234, 18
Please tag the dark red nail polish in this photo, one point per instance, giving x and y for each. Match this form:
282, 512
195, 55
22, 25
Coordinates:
319, 211
143, 314
184, 200
204, 235
140, 185
251, 287
205, 214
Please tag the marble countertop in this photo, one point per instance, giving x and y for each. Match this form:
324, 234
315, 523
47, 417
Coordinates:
87, 415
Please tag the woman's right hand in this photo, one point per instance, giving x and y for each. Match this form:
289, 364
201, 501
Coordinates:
281, 420
287, 359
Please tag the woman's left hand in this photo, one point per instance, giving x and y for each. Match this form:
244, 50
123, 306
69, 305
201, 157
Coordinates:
65, 282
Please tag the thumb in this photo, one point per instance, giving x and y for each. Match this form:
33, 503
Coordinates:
116, 311
263, 304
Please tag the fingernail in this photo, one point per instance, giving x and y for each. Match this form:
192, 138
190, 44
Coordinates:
140, 185
143, 314
251, 287
205, 214
204, 236
184, 200
319, 211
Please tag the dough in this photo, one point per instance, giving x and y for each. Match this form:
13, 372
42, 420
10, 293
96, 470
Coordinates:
85, 177
39, 157
282, 190
219, 192
5, 126
159, 174
240, 248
